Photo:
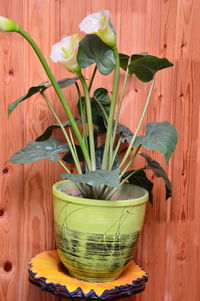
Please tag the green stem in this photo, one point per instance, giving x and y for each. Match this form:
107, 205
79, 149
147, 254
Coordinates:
63, 165
115, 153
90, 124
121, 100
138, 126
92, 78
102, 109
76, 161
112, 111
83, 119
131, 161
59, 93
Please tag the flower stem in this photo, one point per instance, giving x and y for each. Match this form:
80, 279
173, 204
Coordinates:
112, 111
82, 113
92, 78
90, 124
138, 126
131, 161
121, 100
59, 93
75, 158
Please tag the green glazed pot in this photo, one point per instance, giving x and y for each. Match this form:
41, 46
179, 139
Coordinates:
97, 239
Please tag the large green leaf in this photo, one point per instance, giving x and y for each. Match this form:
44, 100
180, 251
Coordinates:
160, 136
159, 173
92, 50
35, 151
63, 83
146, 67
48, 132
124, 59
97, 177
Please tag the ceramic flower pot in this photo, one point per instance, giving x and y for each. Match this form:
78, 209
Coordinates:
97, 239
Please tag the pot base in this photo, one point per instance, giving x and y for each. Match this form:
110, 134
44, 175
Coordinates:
47, 272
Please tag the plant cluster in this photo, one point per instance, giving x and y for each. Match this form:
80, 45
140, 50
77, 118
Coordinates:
100, 171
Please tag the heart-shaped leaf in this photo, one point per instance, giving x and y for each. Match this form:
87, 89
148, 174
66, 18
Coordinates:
97, 177
102, 96
146, 67
48, 132
139, 178
35, 151
159, 173
160, 136
92, 50
63, 83
124, 59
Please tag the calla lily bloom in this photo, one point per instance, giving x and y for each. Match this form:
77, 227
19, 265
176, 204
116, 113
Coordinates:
65, 52
8, 25
100, 25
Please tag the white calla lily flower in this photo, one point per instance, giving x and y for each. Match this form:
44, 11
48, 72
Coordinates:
8, 25
65, 52
100, 25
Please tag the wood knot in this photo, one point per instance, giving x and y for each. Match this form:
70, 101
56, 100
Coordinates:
7, 266
165, 46
11, 72
1, 212
5, 170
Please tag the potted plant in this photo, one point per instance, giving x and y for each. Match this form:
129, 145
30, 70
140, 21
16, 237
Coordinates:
99, 210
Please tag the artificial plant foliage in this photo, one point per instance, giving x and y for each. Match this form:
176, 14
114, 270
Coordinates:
159, 172
95, 178
92, 50
35, 151
146, 67
124, 58
94, 146
50, 129
159, 136
63, 83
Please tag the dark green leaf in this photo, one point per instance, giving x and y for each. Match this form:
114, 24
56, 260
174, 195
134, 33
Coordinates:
97, 177
160, 136
124, 59
124, 130
102, 96
35, 151
63, 83
92, 50
159, 173
48, 132
146, 67
139, 178
31, 91
68, 156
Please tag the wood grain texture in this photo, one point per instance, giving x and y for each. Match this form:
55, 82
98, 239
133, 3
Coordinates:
169, 246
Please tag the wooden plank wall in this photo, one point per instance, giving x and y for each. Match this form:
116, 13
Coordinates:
169, 246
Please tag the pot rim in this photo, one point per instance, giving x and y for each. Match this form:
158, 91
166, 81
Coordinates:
101, 203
